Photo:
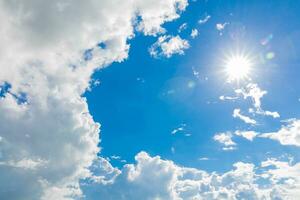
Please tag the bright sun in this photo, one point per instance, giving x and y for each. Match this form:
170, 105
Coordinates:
237, 67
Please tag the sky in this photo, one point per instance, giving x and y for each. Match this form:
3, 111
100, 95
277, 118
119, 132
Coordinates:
149, 99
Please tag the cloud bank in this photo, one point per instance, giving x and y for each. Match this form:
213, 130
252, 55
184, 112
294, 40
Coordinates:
48, 139
155, 178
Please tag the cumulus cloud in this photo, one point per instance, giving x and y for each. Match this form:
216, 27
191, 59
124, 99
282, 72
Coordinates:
49, 140
155, 178
283, 175
289, 134
226, 140
246, 119
168, 45
154, 13
102, 172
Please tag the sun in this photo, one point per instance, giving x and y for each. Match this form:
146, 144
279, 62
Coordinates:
237, 67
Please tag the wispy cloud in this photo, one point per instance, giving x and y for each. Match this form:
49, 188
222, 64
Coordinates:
182, 130
204, 20
182, 27
203, 159
246, 119
223, 98
255, 93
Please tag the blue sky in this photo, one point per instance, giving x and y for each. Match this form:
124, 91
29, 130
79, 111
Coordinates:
137, 113
149, 100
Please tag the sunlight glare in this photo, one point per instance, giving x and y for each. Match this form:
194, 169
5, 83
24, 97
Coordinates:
237, 67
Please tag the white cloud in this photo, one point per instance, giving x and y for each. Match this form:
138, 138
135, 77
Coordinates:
103, 172
256, 93
154, 13
285, 176
226, 140
176, 130
246, 119
268, 113
50, 133
181, 128
196, 73
203, 158
24, 163
223, 98
204, 20
173, 150
182, 27
289, 134
168, 46
249, 135
114, 157
169, 181
194, 33
220, 26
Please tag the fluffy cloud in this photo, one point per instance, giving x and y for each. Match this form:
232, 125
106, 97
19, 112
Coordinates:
153, 178
168, 45
284, 176
154, 13
48, 138
289, 134
226, 140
